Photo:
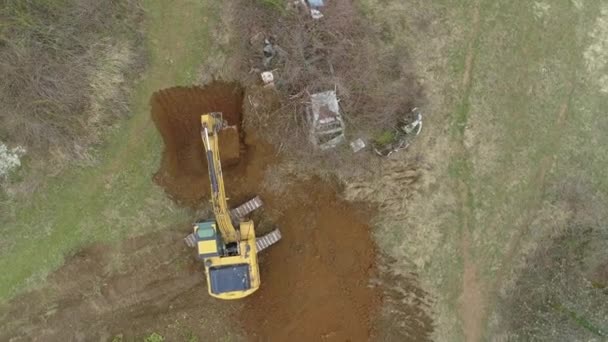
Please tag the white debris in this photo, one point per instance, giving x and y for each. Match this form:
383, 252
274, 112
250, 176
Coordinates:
316, 3
312, 5
10, 159
316, 14
406, 130
268, 78
357, 145
415, 125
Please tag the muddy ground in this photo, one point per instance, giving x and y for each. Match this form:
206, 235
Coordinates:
315, 282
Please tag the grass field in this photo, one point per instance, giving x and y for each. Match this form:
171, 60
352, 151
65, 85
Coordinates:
116, 197
515, 111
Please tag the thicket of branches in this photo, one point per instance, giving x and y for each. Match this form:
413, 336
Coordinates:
562, 294
64, 65
345, 51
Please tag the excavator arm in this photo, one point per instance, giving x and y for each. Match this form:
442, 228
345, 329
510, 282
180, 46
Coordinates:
211, 124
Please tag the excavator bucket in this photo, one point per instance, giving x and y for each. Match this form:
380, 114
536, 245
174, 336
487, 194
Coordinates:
230, 145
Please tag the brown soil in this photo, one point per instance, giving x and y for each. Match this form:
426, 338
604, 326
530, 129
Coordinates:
326, 257
315, 282
176, 112
147, 284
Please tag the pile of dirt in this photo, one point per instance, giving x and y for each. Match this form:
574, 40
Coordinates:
176, 112
315, 282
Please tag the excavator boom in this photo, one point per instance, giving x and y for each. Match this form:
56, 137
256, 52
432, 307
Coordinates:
211, 125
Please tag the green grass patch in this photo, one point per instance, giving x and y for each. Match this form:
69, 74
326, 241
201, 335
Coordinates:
386, 137
154, 337
506, 121
115, 198
278, 5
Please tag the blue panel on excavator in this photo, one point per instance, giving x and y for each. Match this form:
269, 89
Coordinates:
229, 278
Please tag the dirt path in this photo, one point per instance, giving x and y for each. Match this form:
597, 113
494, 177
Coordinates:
539, 178
472, 301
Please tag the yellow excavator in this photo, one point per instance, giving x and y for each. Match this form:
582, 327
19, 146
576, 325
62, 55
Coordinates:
229, 254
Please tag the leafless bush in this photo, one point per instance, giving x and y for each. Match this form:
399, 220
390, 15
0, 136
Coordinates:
562, 294
342, 51
63, 65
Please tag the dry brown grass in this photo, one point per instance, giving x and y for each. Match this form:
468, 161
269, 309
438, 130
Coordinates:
560, 290
65, 66
375, 81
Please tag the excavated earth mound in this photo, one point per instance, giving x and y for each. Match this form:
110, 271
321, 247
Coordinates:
176, 112
315, 282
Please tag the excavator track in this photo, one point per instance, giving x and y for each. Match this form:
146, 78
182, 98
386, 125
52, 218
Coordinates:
244, 209
267, 240
236, 215
190, 240
261, 243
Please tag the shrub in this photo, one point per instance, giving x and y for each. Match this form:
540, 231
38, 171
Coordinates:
342, 51
64, 66
562, 292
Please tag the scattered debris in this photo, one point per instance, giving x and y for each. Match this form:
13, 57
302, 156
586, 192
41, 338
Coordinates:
314, 6
268, 78
402, 135
416, 124
10, 159
315, 13
311, 6
357, 145
326, 124
315, 3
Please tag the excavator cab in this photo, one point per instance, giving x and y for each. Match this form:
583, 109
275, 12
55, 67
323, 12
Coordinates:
208, 241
